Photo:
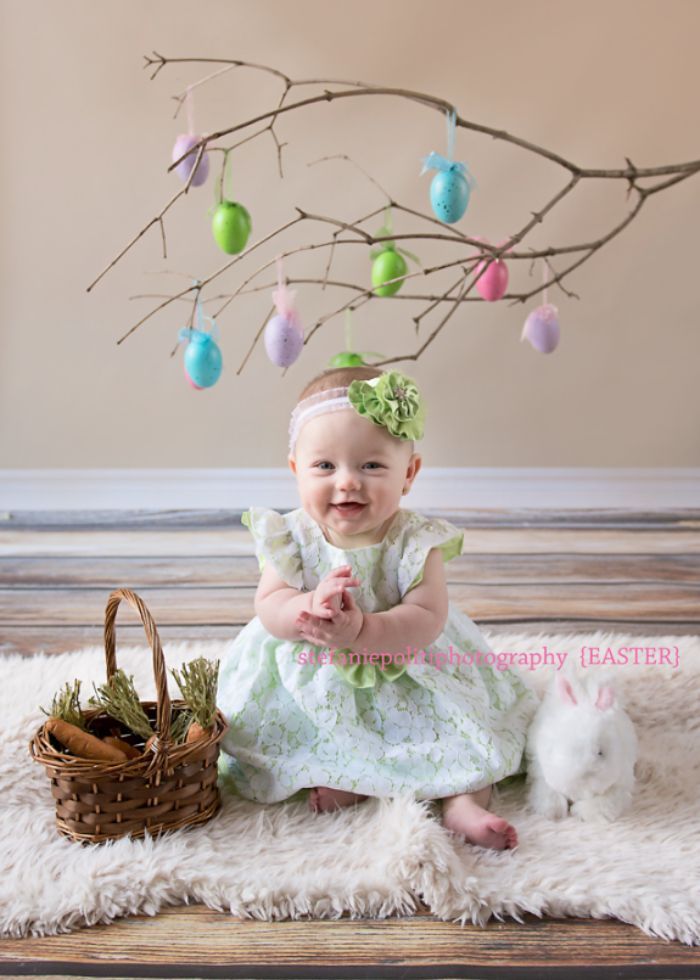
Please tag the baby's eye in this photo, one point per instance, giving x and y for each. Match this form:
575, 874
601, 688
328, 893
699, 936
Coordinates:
377, 465
323, 463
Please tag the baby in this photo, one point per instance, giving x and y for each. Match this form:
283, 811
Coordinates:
350, 574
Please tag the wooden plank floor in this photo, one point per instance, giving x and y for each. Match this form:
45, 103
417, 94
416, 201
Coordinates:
528, 571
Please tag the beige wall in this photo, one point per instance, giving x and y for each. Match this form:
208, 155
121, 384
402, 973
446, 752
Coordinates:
86, 143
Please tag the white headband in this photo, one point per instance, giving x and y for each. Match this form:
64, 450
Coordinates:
330, 400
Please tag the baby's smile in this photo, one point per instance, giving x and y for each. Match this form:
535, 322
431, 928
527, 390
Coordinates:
349, 508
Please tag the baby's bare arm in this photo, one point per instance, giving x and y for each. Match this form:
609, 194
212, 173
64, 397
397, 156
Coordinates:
417, 621
278, 605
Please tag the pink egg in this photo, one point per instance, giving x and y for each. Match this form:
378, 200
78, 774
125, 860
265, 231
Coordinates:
541, 328
494, 282
183, 143
284, 339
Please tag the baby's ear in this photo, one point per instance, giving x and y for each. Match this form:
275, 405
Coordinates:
292, 464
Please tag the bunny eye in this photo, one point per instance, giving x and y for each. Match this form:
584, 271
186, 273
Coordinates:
600, 752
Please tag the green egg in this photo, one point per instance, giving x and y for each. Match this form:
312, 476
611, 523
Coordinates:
231, 226
388, 265
346, 358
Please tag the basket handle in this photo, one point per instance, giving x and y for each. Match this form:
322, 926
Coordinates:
162, 696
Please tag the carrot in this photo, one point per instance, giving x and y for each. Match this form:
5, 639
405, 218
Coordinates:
81, 743
195, 732
130, 751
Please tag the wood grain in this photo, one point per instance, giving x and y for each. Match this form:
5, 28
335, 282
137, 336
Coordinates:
234, 605
234, 541
204, 943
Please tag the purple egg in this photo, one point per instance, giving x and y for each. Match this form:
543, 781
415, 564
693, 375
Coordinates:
542, 328
284, 339
183, 143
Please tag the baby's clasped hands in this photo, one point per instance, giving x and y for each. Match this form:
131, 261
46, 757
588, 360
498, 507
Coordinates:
334, 618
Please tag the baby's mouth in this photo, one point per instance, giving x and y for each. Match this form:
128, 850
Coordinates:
349, 508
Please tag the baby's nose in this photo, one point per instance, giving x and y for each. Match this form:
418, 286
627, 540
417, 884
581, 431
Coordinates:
347, 479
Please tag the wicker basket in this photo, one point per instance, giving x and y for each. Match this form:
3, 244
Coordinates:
172, 787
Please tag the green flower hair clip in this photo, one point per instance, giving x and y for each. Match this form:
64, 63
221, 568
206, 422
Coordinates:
393, 401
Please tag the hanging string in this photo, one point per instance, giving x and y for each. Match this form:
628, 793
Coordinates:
200, 314
451, 124
189, 104
348, 329
282, 297
230, 176
544, 279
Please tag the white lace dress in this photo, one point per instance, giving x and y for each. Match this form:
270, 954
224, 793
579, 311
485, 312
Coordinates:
411, 727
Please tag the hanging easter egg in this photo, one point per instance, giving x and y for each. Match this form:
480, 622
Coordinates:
494, 282
203, 361
284, 339
541, 328
184, 143
449, 194
492, 285
451, 186
231, 226
346, 358
389, 264
284, 333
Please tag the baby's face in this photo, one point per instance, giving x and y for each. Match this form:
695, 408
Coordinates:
351, 473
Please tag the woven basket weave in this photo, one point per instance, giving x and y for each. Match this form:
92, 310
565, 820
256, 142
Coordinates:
170, 787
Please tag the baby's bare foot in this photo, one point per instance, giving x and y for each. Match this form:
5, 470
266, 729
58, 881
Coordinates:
464, 816
322, 799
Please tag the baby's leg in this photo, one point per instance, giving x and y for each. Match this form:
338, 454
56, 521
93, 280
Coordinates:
466, 814
323, 799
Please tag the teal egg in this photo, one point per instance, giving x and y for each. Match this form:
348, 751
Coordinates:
449, 195
203, 361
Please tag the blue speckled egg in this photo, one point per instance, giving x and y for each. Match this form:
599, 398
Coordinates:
449, 195
284, 339
203, 361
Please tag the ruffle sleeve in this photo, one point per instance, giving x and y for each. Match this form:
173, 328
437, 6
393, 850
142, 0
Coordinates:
424, 534
274, 542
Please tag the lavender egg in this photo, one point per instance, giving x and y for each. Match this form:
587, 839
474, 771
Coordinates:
284, 339
541, 328
183, 143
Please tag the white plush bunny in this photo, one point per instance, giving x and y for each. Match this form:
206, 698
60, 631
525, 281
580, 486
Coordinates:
581, 747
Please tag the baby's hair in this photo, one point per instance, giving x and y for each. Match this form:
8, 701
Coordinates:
338, 378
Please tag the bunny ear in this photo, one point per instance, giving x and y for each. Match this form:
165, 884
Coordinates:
565, 690
605, 699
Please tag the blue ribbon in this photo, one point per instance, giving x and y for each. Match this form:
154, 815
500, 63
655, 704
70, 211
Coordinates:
436, 161
188, 333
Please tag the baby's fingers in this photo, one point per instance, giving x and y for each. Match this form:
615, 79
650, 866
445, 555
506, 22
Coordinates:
341, 572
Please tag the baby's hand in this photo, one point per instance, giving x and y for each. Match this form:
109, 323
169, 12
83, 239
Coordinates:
327, 599
341, 631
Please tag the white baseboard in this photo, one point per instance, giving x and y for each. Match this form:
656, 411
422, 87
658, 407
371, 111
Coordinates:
440, 488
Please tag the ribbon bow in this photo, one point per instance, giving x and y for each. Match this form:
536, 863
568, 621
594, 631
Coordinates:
393, 401
385, 231
435, 161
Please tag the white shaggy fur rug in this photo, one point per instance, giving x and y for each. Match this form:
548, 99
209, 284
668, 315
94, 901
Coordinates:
378, 858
